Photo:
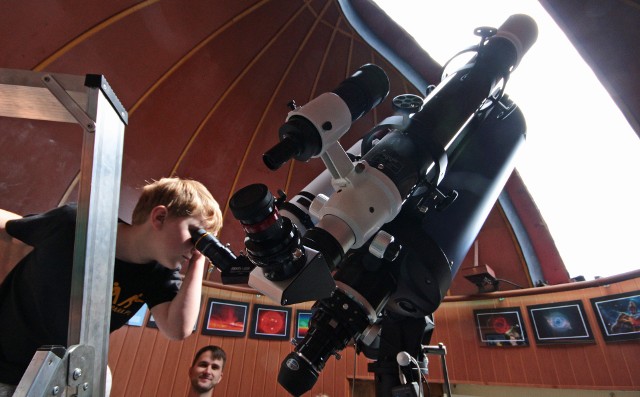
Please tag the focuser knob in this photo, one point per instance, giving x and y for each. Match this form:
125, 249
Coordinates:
383, 246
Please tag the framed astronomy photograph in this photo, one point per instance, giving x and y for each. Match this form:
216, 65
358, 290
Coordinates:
151, 322
563, 322
501, 327
302, 323
270, 322
618, 316
138, 319
225, 318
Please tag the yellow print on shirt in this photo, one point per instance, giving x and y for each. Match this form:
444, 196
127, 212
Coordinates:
122, 306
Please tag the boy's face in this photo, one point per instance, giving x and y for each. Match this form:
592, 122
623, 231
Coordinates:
175, 246
206, 373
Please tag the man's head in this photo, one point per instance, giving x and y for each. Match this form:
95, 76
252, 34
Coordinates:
182, 198
206, 370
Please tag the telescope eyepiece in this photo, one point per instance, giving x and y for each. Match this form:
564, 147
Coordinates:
219, 254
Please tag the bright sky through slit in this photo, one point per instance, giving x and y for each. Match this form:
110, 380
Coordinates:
581, 161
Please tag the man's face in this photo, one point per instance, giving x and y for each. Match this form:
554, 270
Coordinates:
206, 373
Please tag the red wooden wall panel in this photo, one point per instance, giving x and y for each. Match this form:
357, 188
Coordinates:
598, 365
146, 364
316, 49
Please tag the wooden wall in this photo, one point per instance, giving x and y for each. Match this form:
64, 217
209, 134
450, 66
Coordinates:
146, 364
597, 365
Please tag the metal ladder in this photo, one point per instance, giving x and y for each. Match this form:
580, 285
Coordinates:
80, 367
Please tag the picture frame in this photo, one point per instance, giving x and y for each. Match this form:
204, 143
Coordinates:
138, 319
302, 323
558, 323
151, 322
618, 316
270, 322
501, 327
225, 318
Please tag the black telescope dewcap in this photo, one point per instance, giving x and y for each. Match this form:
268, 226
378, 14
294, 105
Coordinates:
296, 375
300, 138
364, 90
252, 204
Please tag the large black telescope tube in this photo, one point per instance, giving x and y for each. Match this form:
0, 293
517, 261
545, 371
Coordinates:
421, 148
406, 157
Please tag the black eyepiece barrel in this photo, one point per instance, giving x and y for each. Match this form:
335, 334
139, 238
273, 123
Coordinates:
303, 135
280, 153
220, 255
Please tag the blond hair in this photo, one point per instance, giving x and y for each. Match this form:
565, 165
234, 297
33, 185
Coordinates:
182, 197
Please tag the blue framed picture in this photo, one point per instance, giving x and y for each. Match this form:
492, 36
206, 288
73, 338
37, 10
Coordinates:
557, 323
138, 319
302, 323
618, 316
151, 322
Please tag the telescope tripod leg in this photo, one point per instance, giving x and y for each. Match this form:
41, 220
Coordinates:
399, 334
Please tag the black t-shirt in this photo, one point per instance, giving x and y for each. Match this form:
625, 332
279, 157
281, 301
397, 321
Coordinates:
35, 296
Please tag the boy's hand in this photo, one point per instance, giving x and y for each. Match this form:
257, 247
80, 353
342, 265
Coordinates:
197, 260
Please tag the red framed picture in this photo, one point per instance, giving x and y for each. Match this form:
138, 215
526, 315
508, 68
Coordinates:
270, 322
501, 327
225, 318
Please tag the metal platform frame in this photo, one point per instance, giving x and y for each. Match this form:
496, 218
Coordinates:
80, 367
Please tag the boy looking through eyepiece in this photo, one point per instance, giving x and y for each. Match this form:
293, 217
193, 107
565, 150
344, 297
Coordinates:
35, 295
